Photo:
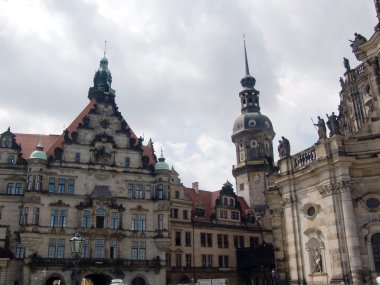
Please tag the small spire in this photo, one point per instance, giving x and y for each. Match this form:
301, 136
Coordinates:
246, 58
105, 48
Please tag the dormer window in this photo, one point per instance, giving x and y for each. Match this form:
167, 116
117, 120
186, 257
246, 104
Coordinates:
11, 160
231, 202
200, 212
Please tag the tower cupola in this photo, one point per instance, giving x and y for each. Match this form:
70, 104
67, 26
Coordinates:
102, 91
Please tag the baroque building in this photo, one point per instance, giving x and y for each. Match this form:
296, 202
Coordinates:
325, 201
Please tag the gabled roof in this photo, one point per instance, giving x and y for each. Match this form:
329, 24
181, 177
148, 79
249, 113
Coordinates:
51, 142
208, 199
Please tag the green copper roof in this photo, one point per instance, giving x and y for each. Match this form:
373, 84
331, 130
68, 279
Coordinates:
39, 153
161, 164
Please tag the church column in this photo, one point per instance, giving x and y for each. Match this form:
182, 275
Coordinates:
352, 237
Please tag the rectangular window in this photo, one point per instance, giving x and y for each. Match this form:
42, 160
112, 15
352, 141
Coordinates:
188, 238
138, 250
168, 259
38, 181
58, 218
24, 216
127, 162
176, 193
10, 188
36, 216
239, 241
130, 191
188, 260
185, 214
174, 213
241, 186
62, 218
142, 223
206, 240
56, 248
86, 248
235, 215
113, 248
178, 260
86, 218
77, 157
114, 220
99, 248
148, 194
206, 260
61, 248
223, 214
139, 191
135, 222
20, 251
224, 261
253, 241
51, 185
177, 238
11, 160
71, 186
160, 191
160, 222
30, 182
61, 185
222, 241
18, 189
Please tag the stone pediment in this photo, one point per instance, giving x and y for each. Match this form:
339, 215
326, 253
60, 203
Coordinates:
59, 203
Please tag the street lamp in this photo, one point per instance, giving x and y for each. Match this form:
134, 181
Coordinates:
273, 273
76, 243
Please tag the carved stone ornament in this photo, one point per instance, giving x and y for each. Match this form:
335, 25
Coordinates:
326, 190
277, 212
139, 208
288, 201
341, 186
102, 176
32, 199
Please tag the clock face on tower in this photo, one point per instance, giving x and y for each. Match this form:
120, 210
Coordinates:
257, 177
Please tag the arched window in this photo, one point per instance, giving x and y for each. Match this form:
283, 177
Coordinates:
100, 217
375, 242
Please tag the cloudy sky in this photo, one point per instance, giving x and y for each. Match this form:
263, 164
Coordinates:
176, 68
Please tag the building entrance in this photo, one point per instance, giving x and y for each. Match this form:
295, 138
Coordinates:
97, 279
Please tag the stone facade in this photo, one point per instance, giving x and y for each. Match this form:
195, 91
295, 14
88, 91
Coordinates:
325, 200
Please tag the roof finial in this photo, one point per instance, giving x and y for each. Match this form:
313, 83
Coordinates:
162, 154
105, 48
246, 58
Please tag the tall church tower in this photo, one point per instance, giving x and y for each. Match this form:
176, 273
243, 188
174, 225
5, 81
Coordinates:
253, 138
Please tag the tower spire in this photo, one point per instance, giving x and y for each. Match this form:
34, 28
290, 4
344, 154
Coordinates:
105, 48
246, 58
248, 82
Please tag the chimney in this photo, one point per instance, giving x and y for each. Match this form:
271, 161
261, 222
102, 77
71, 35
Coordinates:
195, 186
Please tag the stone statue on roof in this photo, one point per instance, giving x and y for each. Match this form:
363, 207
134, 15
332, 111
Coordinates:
346, 64
359, 39
283, 147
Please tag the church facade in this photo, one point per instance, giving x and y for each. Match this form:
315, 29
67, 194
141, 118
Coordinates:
324, 201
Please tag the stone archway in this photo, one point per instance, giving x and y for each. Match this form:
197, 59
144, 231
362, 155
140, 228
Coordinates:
138, 281
54, 280
97, 279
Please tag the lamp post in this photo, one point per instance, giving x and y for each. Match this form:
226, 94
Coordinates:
76, 243
273, 273
43, 275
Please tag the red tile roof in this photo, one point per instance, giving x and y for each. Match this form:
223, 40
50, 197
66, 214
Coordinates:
30, 141
209, 198
50, 142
